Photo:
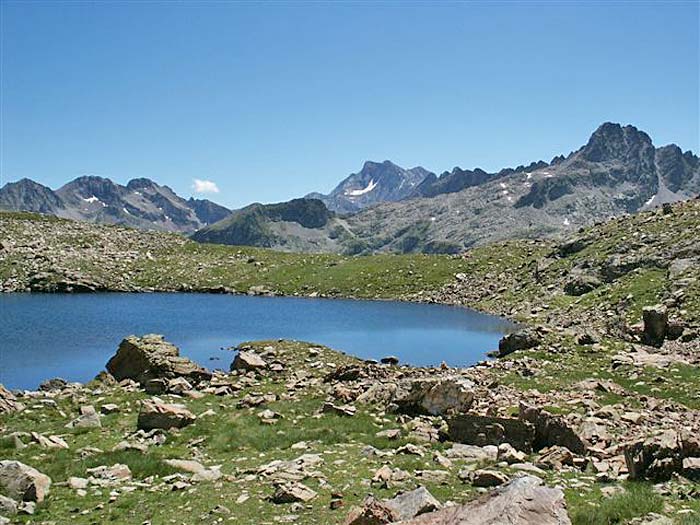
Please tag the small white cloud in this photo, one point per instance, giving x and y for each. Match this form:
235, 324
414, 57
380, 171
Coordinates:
205, 186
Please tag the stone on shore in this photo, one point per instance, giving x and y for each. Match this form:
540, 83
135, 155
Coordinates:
151, 357
248, 361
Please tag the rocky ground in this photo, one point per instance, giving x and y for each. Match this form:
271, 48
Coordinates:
597, 397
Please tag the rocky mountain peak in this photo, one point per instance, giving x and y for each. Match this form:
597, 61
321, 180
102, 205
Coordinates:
140, 184
612, 141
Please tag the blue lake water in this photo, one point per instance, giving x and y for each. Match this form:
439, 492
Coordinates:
73, 336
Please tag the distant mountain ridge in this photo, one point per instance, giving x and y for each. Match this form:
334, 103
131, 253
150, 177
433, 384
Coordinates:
386, 208
141, 203
618, 171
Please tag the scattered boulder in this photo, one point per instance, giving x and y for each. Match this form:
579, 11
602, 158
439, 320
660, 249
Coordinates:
555, 458
150, 357
88, 418
199, 472
573, 246
523, 501
339, 410
155, 414
488, 478
486, 430
434, 396
22, 482
413, 503
520, 340
248, 360
292, 492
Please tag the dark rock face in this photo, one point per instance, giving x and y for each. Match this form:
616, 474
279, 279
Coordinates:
459, 179
208, 212
655, 324
151, 357
521, 340
484, 430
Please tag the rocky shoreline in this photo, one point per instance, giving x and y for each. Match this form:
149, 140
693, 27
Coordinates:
598, 399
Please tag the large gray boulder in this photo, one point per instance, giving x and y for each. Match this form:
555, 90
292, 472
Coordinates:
151, 356
22, 482
523, 501
413, 503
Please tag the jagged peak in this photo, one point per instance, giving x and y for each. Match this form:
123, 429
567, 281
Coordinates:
140, 183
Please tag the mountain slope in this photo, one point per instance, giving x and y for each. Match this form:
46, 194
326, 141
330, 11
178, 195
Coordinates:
297, 225
374, 183
618, 171
141, 203
27, 195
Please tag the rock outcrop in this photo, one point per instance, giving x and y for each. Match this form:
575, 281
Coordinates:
151, 357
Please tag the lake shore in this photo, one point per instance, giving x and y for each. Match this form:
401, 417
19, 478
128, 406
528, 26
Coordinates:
611, 352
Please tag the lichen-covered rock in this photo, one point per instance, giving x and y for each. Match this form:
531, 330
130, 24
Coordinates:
150, 357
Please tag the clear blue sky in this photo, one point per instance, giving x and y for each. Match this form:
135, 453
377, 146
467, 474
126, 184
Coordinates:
271, 101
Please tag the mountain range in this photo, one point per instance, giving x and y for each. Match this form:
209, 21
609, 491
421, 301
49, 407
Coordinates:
386, 208
141, 203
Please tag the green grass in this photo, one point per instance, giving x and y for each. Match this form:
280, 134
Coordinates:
636, 500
